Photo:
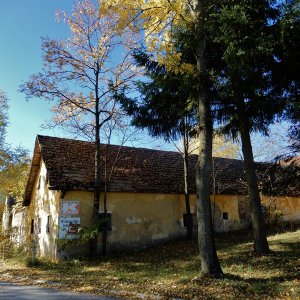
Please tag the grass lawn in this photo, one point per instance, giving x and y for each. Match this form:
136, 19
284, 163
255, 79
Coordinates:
171, 270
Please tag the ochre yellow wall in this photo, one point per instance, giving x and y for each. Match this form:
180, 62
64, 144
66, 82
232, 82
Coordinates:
226, 203
141, 219
288, 206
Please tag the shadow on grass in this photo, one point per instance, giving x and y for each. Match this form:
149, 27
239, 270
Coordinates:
293, 247
275, 279
288, 249
227, 240
259, 287
283, 228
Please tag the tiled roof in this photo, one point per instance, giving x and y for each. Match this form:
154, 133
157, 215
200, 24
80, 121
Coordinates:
70, 166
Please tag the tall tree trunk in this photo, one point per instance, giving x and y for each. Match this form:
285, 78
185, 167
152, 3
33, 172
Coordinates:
94, 242
214, 193
186, 184
260, 238
97, 175
97, 144
210, 265
104, 232
97, 187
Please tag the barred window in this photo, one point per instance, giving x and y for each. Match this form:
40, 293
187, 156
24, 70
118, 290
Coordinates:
39, 183
32, 226
48, 226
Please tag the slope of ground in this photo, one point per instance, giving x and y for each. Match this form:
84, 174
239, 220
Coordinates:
170, 271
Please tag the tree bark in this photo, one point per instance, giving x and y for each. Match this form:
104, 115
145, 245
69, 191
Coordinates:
186, 185
260, 238
104, 232
97, 187
210, 265
94, 251
97, 144
97, 175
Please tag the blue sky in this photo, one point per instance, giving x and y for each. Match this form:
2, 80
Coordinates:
22, 24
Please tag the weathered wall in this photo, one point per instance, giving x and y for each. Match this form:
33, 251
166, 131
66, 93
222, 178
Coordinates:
19, 226
228, 212
142, 219
288, 206
139, 220
44, 203
6, 220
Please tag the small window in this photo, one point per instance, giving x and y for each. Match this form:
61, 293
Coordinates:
39, 183
225, 215
32, 226
48, 226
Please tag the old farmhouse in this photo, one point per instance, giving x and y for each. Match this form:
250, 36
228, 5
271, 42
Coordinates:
145, 195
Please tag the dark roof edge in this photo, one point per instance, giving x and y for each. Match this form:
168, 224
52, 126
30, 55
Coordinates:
35, 164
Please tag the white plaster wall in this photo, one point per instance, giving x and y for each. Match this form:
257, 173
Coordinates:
44, 203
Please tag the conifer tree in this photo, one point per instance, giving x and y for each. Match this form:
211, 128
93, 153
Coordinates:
158, 37
244, 30
287, 68
164, 107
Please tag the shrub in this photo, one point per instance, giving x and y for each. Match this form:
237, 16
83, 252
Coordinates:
272, 215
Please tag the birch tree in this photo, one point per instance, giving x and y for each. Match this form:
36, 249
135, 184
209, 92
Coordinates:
82, 72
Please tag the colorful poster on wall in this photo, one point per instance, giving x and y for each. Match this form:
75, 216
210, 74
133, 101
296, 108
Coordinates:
69, 220
69, 208
68, 227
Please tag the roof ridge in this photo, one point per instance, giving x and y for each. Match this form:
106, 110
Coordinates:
130, 147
